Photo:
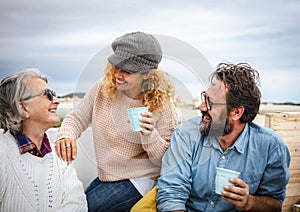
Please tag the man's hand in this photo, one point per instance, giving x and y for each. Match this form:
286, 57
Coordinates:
66, 149
239, 196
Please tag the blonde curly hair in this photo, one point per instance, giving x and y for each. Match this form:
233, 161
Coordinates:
156, 88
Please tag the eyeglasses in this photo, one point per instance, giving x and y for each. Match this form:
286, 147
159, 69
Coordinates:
207, 101
50, 94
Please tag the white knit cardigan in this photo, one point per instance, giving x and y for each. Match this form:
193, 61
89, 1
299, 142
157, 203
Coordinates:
30, 183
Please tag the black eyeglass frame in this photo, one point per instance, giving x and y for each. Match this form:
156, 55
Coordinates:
207, 101
50, 94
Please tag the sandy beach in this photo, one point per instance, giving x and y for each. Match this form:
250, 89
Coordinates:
186, 111
271, 108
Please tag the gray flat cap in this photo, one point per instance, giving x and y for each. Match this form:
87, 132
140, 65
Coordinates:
136, 52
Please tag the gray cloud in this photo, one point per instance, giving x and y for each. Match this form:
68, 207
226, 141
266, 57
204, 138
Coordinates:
60, 37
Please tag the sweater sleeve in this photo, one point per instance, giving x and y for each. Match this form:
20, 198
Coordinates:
78, 120
73, 198
3, 175
158, 141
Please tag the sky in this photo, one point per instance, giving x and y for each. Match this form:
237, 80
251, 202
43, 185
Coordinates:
69, 41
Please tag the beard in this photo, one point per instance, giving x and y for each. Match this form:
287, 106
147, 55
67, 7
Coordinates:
219, 127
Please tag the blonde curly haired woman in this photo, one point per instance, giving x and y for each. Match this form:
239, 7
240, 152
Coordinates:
128, 162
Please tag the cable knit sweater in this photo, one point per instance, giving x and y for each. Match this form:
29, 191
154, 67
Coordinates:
30, 183
120, 152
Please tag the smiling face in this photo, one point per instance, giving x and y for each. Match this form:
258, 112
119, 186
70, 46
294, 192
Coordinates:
130, 83
40, 112
215, 122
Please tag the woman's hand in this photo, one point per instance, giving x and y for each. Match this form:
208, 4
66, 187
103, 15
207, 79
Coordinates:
66, 149
147, 123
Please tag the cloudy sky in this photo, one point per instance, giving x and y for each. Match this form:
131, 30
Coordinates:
61, 38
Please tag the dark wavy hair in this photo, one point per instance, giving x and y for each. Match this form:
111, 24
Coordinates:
242, 83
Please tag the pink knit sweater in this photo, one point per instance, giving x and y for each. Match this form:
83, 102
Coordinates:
120, 152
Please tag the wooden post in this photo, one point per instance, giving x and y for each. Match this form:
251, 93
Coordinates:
287, 125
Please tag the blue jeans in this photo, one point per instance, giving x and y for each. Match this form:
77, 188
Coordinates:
116, 196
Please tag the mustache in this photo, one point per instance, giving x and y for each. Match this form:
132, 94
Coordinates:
205, 113
202, 127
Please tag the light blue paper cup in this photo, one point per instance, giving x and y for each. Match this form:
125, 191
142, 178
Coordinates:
222, 178
135, 114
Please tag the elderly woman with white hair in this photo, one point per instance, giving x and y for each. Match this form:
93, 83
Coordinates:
32, 177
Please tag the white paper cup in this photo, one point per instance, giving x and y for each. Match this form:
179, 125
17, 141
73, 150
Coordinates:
135, 114
222, 178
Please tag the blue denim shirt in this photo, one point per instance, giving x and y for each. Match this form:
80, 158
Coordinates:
188, 171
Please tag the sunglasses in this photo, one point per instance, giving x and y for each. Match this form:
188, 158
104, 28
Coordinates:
50, 94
